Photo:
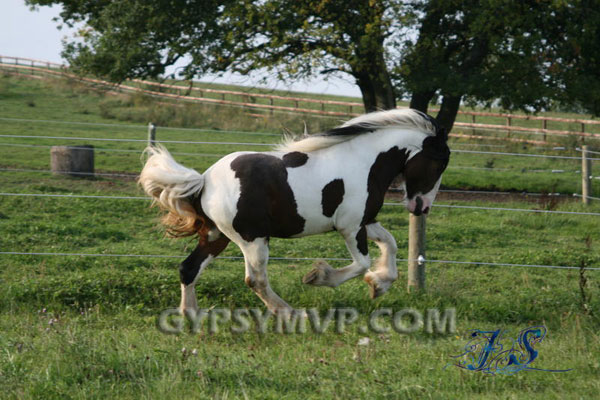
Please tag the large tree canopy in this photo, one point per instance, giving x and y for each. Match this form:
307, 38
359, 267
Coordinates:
529, 55
526, 54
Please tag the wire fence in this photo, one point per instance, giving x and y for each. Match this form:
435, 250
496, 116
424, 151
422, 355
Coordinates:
135, 140
480, 263
136, 152
219, 131
68, 172
141, 127
79, 196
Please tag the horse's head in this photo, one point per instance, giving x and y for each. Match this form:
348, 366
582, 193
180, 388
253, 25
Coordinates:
423, 173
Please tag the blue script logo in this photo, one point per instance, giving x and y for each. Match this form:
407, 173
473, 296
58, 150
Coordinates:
485, 353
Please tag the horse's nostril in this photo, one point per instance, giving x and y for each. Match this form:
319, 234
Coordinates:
419, 206
426, 210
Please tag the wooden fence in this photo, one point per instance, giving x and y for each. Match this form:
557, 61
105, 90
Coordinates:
303, 105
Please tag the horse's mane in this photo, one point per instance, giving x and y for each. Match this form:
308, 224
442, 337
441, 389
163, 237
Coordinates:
398, 118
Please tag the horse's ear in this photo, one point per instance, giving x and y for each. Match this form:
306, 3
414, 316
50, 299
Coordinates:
436, 146
442, 134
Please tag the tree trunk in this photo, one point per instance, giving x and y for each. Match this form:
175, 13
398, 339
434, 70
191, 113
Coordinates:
376, 87
420, 101
376, 93
447, 114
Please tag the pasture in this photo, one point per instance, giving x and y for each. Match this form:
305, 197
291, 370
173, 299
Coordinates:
75, 326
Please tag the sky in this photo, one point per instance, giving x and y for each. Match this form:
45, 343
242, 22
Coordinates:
33, 34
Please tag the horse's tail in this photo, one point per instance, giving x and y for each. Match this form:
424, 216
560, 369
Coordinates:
175, 189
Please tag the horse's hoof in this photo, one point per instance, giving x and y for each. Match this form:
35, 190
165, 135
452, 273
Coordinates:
320, 274
376, 289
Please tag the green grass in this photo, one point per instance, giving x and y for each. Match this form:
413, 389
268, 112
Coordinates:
106, 343
85, 327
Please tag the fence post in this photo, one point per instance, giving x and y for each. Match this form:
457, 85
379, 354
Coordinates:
508, 124
416, 252
586, 170
151, 134
544, 127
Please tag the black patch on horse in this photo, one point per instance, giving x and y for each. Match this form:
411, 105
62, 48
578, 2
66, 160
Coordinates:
422, 172
436, 148
266, 206
386, 167
349, 130
361, 241
295, 159
332, 196
189, 268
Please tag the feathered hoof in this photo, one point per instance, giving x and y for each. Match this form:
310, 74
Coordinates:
376, 287
320, 275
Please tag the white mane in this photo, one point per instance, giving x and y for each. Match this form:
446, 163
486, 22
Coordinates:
405, 118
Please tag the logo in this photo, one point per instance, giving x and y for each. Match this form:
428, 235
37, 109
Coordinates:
241, 320
485, 353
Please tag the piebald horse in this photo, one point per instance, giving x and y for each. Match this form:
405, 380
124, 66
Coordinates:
335, 180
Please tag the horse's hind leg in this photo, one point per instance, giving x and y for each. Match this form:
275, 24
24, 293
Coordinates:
191, 268
325, 275
385, 272
256, 257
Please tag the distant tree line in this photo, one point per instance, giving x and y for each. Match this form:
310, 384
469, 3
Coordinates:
521, 54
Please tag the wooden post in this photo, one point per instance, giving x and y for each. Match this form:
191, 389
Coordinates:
586, 170
271, 104
151, 134
72, 160
416, 253
508, 123
544, 127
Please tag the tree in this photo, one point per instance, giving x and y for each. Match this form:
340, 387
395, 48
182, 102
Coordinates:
479, 52
295, 39
575, 64
524, 54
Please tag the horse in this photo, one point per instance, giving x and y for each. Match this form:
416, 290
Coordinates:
318, 183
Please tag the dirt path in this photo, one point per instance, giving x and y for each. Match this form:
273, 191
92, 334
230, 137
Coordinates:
494, 197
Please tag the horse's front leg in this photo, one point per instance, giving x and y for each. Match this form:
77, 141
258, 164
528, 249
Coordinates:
385, 272
256, 257
325, 275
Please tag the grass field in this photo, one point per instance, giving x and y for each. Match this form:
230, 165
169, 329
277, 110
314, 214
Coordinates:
85, 327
